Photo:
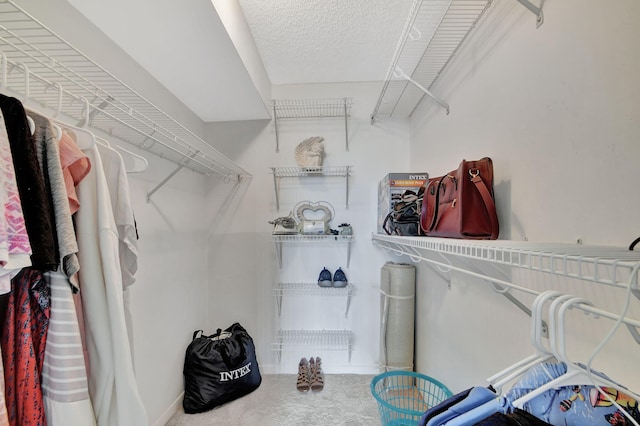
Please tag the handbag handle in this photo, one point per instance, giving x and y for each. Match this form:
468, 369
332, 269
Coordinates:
436, 204
488, 201
633, 244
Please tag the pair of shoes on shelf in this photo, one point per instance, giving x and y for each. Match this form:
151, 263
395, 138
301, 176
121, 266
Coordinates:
310, 375
339, 278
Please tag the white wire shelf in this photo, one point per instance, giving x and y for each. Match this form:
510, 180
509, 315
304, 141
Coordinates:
432, 35
612, 266
319, 340
340, 171
294, 109
312, 289
299, 238
40, 67
310, 172
279, 240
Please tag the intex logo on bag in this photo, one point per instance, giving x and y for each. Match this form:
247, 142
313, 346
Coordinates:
225, 376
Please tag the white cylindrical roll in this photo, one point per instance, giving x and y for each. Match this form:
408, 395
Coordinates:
397, 304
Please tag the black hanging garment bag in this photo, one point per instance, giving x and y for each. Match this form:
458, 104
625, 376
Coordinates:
219, 368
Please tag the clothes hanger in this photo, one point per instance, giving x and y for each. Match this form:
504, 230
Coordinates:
84, 138
542, 353
58, 131
103, 142
32, 125
575, 374
134, 163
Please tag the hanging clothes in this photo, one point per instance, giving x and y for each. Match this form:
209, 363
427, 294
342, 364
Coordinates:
112, 383
49, 158
75, 166
64, 377
4, 415
36, 208
15, 249
24, 337
118, 183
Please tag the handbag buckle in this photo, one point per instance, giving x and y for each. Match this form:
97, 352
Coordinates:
474, 173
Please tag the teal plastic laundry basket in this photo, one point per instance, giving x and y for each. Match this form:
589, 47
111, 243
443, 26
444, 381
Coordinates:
404, 396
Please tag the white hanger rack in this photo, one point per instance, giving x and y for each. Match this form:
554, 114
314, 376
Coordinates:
38, 66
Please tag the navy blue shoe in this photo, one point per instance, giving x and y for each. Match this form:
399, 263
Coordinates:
339, 278
324, 280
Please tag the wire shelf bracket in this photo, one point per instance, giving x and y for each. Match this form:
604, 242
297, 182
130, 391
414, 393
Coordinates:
535, 10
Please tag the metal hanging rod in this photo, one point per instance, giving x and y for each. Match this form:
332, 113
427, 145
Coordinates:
39, 66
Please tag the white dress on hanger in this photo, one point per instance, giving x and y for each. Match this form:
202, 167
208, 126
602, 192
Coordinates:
112, 384
118, 182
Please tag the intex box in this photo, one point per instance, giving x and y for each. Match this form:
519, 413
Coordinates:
390, 190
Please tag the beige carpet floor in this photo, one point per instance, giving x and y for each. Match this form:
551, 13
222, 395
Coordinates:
345, 401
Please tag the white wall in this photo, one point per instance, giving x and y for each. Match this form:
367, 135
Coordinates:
557, 109
244, 268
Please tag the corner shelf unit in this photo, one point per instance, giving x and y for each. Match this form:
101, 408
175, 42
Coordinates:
310, 172
279, 240
44, 71
431, 37
292, 109
312, 289
319, 340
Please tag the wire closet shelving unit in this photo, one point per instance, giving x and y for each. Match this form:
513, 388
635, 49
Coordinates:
432, 35
40, 68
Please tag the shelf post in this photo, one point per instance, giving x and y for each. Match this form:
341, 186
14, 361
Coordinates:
275, 125
346, 126
347, 188
275, 187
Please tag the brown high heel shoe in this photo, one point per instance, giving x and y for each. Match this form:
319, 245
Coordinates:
317, 375
303, 384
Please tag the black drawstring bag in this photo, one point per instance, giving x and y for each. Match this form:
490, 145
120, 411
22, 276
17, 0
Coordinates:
219, 368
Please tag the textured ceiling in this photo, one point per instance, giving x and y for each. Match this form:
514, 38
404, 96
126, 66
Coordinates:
186, 47
320, 41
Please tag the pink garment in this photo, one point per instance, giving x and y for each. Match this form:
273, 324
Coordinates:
18, 240
75, 166
15, 249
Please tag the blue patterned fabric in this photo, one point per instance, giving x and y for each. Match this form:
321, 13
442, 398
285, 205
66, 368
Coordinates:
572, 405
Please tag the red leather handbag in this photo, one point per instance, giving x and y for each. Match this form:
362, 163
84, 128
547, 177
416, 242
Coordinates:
460, 204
